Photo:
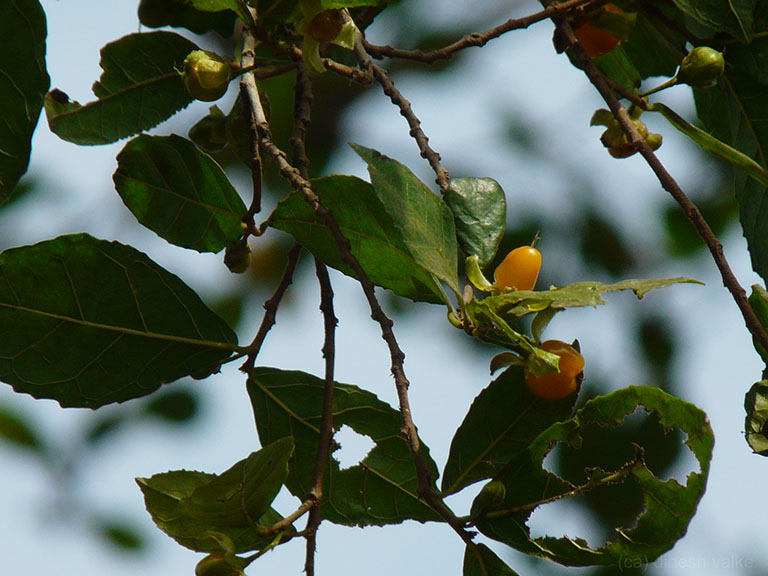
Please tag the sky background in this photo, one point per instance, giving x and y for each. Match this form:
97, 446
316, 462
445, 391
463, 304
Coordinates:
462, 113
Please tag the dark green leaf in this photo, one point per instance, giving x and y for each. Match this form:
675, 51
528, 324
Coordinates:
758, 300
504, 418
382, 489
239, 7
16, 429
120, 534
480, 213
479, 560
89, 322
210, 132
375, 240
140, 87
189, 505
175, 405
655, 47
179, 192
179, 14
731, 17
424, 220
668, 505
734, 112
23, 84
756, 406
275, 11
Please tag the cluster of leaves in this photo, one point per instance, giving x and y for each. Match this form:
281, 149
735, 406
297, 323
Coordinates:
89, 322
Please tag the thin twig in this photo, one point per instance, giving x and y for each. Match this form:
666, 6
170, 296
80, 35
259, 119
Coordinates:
305, 507
476, 39
667, 182
325, 436
248, 59
270, 308
406, 111
397, 356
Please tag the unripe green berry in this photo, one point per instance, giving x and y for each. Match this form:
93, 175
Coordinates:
491, 497
701, 67
237, 257
206, 75
220, 564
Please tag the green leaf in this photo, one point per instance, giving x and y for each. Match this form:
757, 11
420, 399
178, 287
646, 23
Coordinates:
579, 294
734, 112
711, 144
375, 240
380, 490
141, 86
275, 11
479, 560
758, 300
16, 429
656, 47
669, 506
504, 418
424, 220
328, 4
194, 508
617, 66
733, 17
179, 192
23, 84
239, 7
480, 213
756, 407
89, 322
174, 406
120, 534
179, 14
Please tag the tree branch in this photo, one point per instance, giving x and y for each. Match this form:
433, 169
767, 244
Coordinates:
406, 111
270, 307
476, 39
397, 356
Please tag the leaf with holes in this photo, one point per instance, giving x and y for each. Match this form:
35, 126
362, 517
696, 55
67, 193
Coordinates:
179, 192
189, 505
422, 217
140, 87
23, 84
89, 322
504, 418
382, 489
668, 505
375, 240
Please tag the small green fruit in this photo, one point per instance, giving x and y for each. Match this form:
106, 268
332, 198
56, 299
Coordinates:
220, 564
701, 67
206, 75
491, 497
237, 257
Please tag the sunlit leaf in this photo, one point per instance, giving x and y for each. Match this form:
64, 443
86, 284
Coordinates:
503, 419
89, 322
23, 84
189, 506
141, 86
422, 217
668, 505
375, 241
179, 192
480, 213
382, 489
